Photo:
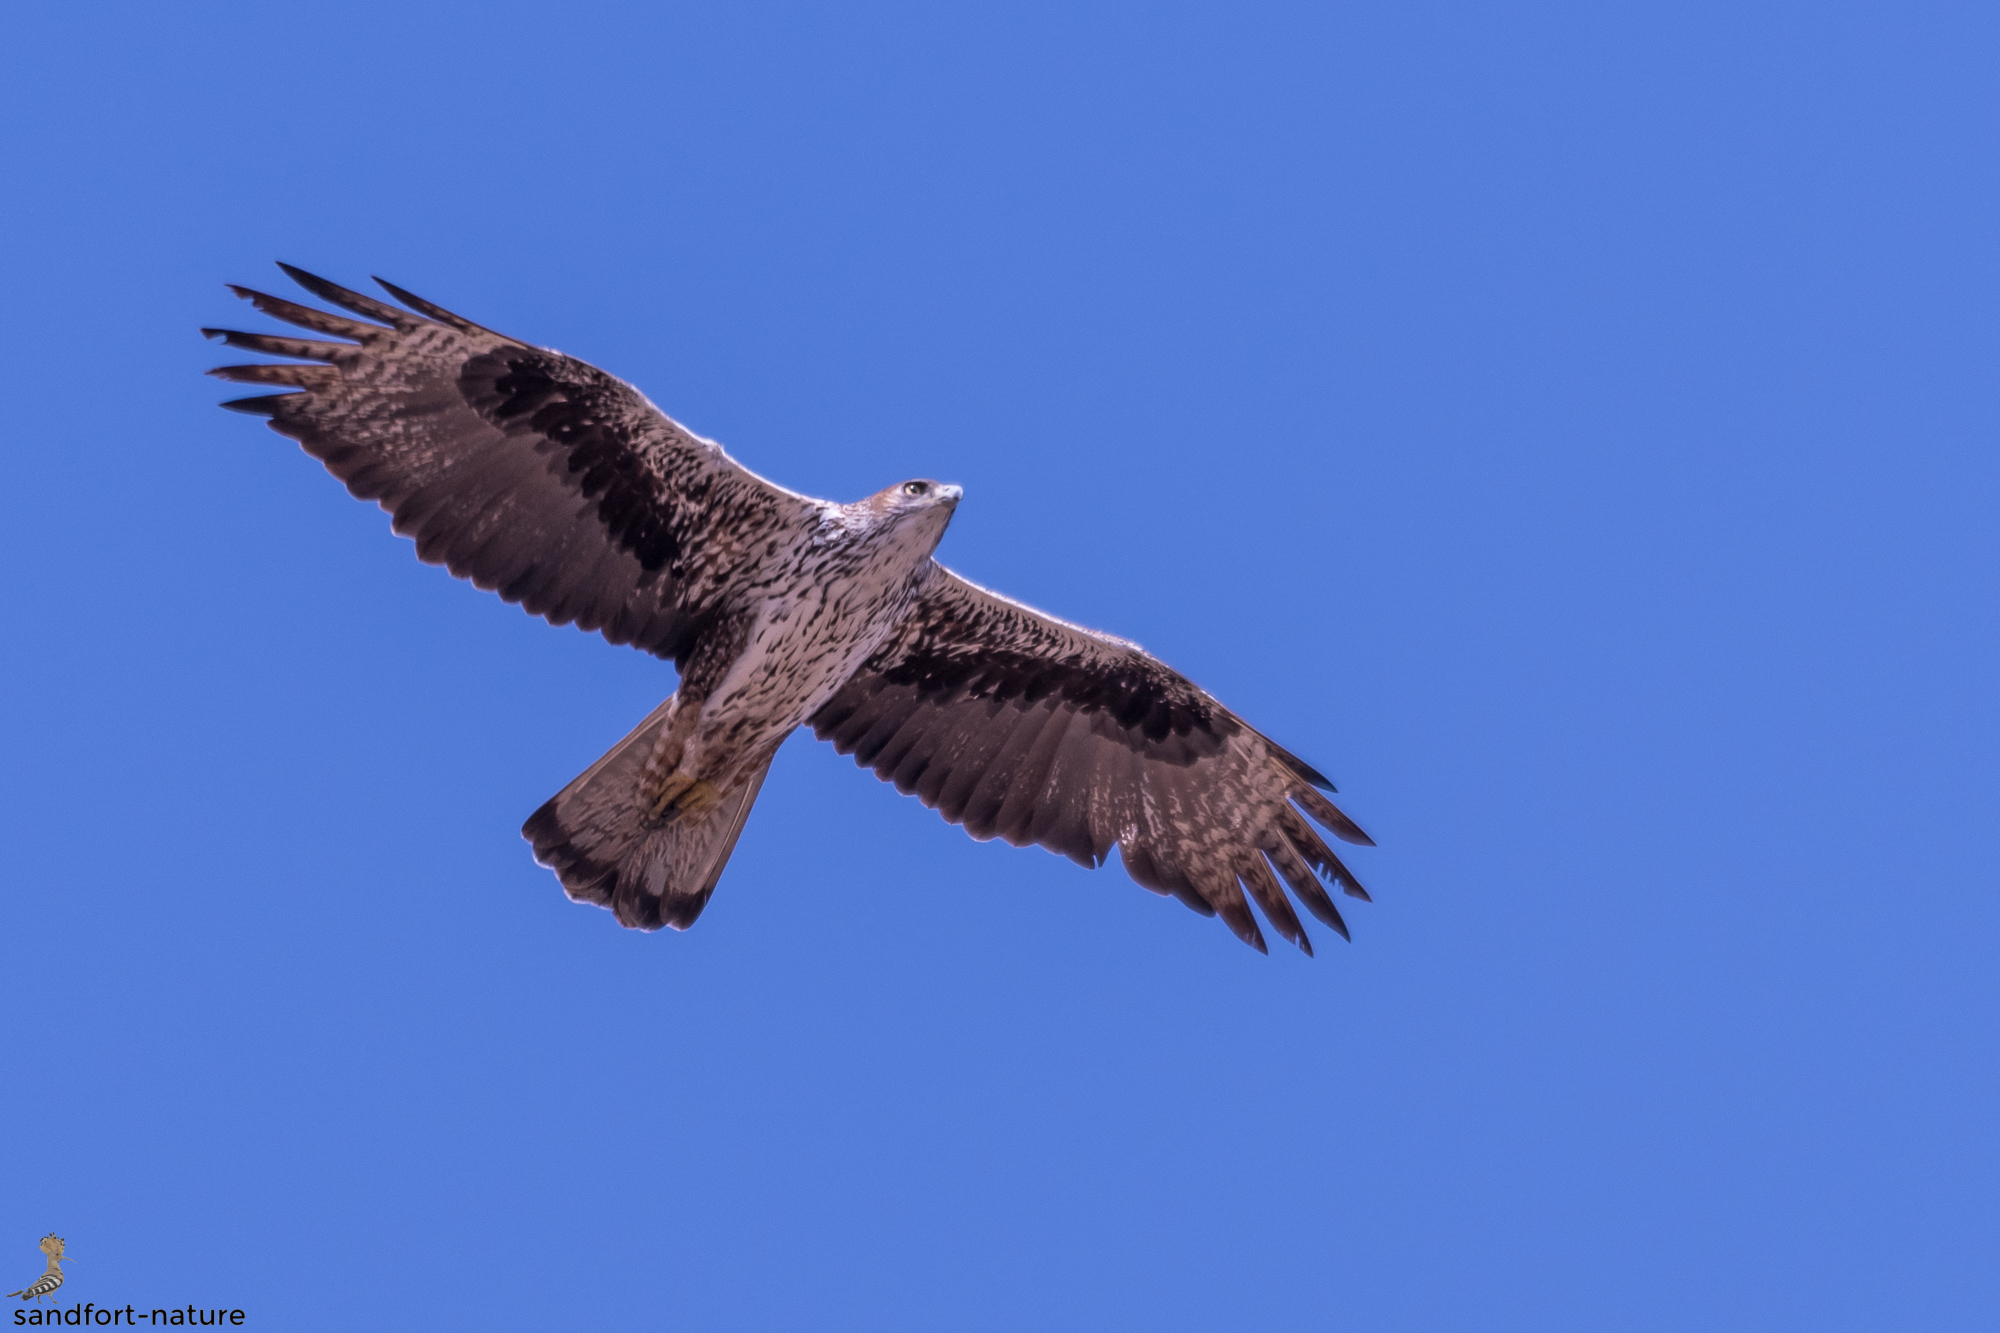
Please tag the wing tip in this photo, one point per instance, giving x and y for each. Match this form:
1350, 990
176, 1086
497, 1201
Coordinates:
432, 310
262, 405
1302, 768
366, 306
1330, 816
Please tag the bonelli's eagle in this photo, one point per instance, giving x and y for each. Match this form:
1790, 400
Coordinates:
563, 489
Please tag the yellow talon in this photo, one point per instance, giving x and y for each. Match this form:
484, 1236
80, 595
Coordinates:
698, 798
660, 803
680, 795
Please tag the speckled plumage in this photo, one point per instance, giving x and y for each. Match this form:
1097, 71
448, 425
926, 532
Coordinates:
563, 489
51, 1246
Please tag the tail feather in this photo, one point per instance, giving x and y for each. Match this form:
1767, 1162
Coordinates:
596, 835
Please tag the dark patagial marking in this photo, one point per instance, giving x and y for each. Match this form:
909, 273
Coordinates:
526, 393
561, 488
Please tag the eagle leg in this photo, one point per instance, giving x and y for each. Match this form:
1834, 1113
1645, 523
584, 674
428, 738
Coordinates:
666, 791
679, 795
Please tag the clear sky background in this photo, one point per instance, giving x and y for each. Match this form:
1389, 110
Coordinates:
1572, 427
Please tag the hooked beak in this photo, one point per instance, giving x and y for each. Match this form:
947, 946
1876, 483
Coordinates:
951, 495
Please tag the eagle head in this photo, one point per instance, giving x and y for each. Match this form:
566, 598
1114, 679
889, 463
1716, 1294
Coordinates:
921, 508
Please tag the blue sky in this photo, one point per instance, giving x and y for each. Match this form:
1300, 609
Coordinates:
1570, 427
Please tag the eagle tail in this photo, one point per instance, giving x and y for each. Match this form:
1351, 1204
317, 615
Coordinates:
599, 838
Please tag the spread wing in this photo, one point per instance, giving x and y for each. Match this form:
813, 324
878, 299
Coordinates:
527, 471
1021, 726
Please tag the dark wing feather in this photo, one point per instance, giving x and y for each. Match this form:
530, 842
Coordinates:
1020, 726
521, 469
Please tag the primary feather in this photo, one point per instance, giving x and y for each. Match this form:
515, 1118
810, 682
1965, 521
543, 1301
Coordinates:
563, 489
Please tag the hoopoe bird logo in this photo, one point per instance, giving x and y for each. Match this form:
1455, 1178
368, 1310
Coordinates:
52, 1246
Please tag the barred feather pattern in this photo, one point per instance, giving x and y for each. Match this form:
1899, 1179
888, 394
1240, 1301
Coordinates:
526, 471
1023, 727
52, 1246
562, 488
44, 1285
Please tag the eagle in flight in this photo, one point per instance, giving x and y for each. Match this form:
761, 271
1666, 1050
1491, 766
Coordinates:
563, 489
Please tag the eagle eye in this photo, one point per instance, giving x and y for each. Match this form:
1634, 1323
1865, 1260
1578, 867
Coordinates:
914, 488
